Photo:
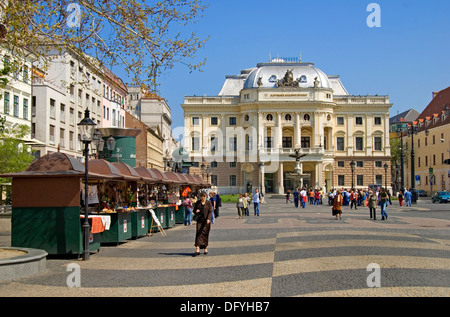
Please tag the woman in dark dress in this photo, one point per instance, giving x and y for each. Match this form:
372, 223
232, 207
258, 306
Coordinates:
203, 209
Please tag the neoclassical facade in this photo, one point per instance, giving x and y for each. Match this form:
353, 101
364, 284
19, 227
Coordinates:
249, 133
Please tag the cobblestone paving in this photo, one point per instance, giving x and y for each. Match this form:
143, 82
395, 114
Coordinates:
285, 252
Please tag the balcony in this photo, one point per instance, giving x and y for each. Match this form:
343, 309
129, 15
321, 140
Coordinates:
289, 151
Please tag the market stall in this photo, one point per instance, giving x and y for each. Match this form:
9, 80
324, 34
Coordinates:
139, 216
114, 190
164, 199
46, 207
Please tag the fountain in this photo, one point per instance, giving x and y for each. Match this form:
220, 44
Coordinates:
298, 175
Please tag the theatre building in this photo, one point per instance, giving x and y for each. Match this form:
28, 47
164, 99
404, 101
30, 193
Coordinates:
267, 118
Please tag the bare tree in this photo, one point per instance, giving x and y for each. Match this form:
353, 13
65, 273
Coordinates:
144, 37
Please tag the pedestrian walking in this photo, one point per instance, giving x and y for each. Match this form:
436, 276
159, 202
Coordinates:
408, 197
288, 195
303, 195
372, 202
240, 205
353, 199
384, 197
337, 205
248, 200
317, 197
212, 199
400, 199
296, 197
217, 205
187, 203
256, 201
203, 211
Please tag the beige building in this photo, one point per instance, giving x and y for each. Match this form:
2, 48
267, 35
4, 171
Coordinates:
431, 146
248, 134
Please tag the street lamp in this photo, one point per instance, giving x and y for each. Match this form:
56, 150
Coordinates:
386, 166
86, 128
402, 158
352, 165
413, 129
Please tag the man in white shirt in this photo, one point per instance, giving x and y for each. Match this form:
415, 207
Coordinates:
303, 195
256, 201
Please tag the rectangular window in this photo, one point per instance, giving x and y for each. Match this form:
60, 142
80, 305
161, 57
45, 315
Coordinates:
25, 109
249, 143
359, 180
340, 120
306, 142
341, 164
25, 74
377, 143
359, 164
379, 179
268, 141
233, 144
358, 143
358, 121
16, 106
6, 103
341, 180
377, 120
214, 180
232, 180
232, 120
61, 137
195, 121
287, 142
213, 164
340, 144
214, 121
195, 143
62, 115
233, 164
378, 164
52, 108
214, 141
52, 134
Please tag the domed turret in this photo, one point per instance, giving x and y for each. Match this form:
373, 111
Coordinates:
271, 75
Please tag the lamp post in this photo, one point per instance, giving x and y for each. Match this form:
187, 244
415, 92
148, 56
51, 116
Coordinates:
86, 128
402, 159
352, 165
413, 129
386, 166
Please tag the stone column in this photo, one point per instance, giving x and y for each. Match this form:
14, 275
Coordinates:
297, 132
281, 178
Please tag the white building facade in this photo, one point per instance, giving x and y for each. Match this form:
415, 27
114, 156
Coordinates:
17, 93
250, 132
61, 94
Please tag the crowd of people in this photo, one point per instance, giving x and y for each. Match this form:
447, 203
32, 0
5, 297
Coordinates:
337, 198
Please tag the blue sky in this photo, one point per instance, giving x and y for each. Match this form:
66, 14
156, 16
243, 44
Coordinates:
406, 58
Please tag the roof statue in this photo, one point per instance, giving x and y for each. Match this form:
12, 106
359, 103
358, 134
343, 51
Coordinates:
288, 80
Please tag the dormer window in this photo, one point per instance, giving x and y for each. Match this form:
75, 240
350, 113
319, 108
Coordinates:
303, 79
273, 79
